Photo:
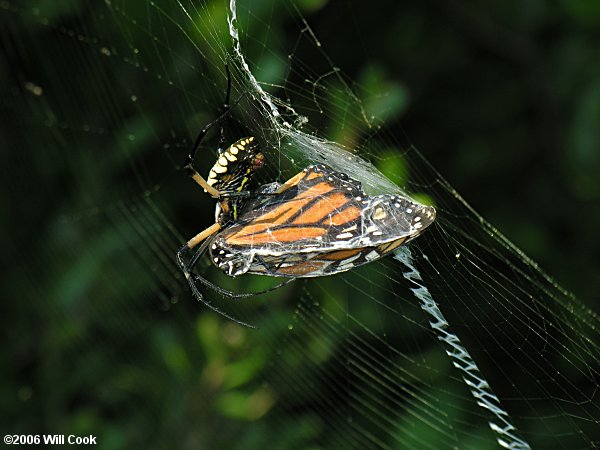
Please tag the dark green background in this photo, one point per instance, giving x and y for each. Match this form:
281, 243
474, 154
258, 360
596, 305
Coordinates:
100, 335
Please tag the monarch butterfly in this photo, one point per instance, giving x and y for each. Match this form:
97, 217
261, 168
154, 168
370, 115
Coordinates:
320, 222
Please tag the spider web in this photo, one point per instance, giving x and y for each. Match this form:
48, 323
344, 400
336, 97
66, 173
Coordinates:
459, 340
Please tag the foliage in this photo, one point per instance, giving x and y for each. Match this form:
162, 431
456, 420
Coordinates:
101, 336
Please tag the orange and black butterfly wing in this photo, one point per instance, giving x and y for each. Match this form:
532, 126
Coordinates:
321, 222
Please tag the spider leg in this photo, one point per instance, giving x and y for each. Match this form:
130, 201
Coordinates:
198, 254
191, 278
237, 295
189, 160
202, 236
188, 275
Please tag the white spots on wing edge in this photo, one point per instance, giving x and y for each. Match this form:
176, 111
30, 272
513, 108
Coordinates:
372, 255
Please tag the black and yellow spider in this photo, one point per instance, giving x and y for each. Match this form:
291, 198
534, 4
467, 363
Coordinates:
320, 222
